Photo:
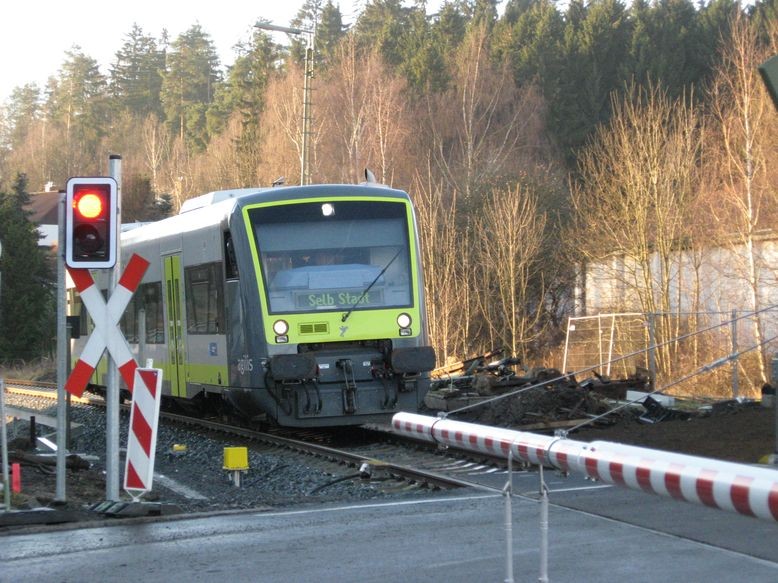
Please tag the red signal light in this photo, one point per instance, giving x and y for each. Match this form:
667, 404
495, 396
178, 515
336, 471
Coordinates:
91, 223
89, 205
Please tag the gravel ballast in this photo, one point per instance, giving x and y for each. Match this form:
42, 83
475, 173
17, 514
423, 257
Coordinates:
190, 476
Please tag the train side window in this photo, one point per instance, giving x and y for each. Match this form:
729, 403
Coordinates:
129, 322
78, 309
230, 261
204, 302
151, 296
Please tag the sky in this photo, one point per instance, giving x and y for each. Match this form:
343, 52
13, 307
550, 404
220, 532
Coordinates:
34, 34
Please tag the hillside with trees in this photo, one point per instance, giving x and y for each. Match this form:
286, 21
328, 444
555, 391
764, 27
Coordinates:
531, 139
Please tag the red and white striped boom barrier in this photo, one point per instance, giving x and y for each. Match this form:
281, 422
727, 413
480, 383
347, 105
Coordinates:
740, 488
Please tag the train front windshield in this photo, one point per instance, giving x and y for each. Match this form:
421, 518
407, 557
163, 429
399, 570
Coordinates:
334, 256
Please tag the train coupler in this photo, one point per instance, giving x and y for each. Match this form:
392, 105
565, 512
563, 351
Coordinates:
312, 408
350, 387
390, 397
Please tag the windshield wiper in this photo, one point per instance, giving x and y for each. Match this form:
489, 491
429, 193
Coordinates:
369, 287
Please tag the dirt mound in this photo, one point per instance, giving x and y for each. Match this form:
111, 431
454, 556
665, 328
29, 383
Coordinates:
729, 431
538, 405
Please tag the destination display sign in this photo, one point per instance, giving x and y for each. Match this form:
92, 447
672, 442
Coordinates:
338, 299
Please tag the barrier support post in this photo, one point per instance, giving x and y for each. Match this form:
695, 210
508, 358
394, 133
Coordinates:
543, 529
508, 492
4, 447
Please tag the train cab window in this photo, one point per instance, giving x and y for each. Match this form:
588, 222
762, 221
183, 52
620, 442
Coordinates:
230, 261
354, 257
204, 302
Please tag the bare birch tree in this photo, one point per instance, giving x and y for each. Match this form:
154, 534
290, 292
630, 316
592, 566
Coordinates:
509, 240
744, 120
281, 152
639, 182
483, 128
387, 119
156, 145
446, 262
348, 108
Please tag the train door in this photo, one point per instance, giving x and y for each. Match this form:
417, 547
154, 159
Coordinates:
175, 326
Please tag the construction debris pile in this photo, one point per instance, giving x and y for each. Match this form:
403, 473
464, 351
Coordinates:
535, 399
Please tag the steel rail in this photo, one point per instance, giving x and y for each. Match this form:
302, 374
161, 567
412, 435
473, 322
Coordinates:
404, 472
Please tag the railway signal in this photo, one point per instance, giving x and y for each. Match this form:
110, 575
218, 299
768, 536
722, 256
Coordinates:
91, 230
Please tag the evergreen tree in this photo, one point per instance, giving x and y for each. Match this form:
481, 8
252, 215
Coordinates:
24, 109
307, 18
665, 45
329, 32
77, 102
26, 299
423, 62
189, 85
591, 67
383, 24
244, 94
534, 46
246, 84
136, 75
715, 23
514, 9
450, 27
764, 14
160, 208
483, 13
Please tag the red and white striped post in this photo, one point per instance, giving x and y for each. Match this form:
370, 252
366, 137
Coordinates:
142, 435
739, 488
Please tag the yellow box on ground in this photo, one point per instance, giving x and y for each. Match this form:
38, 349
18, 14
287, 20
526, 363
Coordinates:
236, 458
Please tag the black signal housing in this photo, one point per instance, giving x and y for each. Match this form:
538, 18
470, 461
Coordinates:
91, 229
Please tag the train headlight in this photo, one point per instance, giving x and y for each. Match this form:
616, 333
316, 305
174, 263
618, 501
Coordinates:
327, 209
404, 320
280, 327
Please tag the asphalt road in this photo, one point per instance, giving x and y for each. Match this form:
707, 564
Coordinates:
454, 537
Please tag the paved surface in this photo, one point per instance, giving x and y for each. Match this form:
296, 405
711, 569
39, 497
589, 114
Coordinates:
456, 537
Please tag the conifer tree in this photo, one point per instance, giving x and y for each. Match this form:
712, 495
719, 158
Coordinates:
189, 85
26, 299
136, 75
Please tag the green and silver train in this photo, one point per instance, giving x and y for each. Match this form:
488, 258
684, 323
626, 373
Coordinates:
301, 306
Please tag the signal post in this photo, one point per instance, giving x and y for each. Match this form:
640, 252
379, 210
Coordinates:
112, 388
89, 228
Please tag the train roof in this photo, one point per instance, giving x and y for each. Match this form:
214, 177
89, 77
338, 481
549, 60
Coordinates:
211, 208
273, 194
216, 196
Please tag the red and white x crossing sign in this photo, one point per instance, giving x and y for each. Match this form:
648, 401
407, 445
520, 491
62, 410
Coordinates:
106, 317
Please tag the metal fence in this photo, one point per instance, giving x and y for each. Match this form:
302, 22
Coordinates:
726, 346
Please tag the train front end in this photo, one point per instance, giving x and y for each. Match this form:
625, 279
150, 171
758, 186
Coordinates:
339, 323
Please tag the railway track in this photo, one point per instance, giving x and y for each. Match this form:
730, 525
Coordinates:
415, 465
373, 453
